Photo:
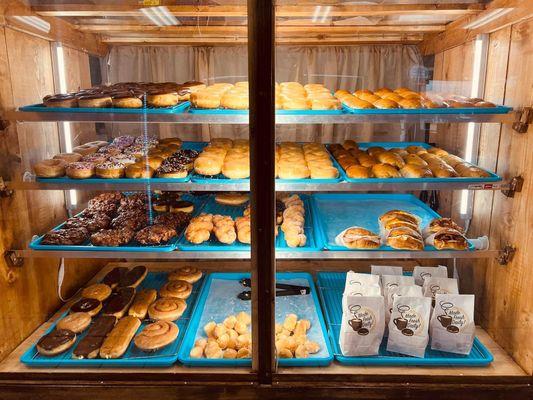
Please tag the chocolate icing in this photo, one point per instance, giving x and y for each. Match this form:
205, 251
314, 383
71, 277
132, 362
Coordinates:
132, 276
55, 339
85, 305
95, 336
119, 300
102, 326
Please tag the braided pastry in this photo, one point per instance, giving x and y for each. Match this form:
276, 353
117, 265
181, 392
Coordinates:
224, 229
243, 229
199, 229
293, 221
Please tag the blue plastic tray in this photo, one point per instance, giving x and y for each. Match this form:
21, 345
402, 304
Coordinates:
313, 242
226, 286
65, 179
177, 109
133, 356
133, 246
389, 145
335, 212
331, 287
197, 178
430, 111
226, 111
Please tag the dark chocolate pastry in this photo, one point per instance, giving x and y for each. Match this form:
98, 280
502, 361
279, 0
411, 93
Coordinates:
56, 338
113, 277
155, 234
85, 305
114, 197
88, 347
92, 224
70, 236
119, 302
112, 237
131, 220
174, 220
133, 277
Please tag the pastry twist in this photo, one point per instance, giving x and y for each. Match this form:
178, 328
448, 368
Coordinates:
224, 229
199, 229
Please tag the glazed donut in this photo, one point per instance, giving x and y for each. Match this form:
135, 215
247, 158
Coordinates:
325, 104
80, 170
205, 99
156, 336
61, 101
175, 141
139, 170
176, 289
68, 157
109, 170
296, 103
76, 322
162, 98
50, 168
167, 309
126, 100
153, 162
95, 101
188, 274
234, 101
85, 149
98, 291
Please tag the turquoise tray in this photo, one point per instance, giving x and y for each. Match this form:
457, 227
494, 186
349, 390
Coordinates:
218, 299
313, 243
133, 246
177, 109
226, 111
331, 287
429, 111
133, 356
335, 212
389, 145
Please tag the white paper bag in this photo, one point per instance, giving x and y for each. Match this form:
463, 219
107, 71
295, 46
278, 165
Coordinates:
408, 327
452, 326
404, 290
385, 270
434, 285
362, 284
362, 325
420, 273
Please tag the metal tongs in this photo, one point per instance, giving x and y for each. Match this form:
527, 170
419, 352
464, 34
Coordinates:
286, 290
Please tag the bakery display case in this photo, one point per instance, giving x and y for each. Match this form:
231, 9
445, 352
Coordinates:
248, 199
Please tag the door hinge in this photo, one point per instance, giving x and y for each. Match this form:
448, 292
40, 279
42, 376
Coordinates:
4, 190
12, 260
525, 117
506, 254
515, 186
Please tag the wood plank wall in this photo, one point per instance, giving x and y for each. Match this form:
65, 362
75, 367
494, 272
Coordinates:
504, 301
28, 296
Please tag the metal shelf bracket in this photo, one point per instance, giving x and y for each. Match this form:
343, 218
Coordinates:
506, 254
515, 186
12, 259
524, 118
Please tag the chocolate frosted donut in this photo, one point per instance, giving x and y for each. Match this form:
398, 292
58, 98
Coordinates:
113, 277
118, 302
133, 277
88, 347
90, 306
61, 100
56, 342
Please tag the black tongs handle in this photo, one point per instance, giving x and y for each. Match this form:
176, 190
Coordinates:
247, 282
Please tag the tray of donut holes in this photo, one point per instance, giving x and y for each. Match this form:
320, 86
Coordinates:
225, 160
383, 162
122, 98
407, 101
224, 224
132, 318
219, 333
291, 98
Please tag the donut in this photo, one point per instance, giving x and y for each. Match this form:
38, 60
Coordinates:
98, 143
127, 100
85, 149
234, 101
56, 342
156, 336
109, 170
50, 168
68, 157
89, 306
162, 98
123, 159
153, 162
61, 101
232, 199
76, 322
95, 101
181, 206
80, 170
205, 99
188, 274
139, 170
95, 158
176, 289
98, 291
174, 141
167, 309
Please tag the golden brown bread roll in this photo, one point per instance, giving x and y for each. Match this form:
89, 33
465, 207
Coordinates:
442, 170
469, 170
415, 160
401, 152
366, 160
399, 214
392, 96
359, 238
385, 171
390, 158
355, 102
360, 92
405, 242
350, 144
415, 149
450, 239
383, 91
415, 171
374, 150
385, 104
437, 151
371, 98
357, 172
410, 103
487, 104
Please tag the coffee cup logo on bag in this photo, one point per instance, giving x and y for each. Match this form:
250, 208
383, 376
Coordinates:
409, 321
363, 319
453, 319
